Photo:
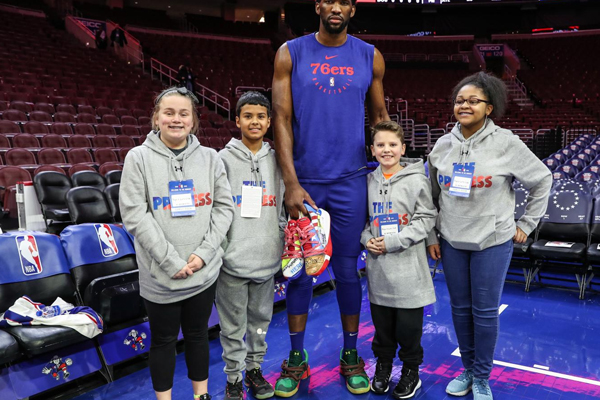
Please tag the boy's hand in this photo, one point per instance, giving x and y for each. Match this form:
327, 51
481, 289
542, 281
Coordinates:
184, 273
195, 263
434, 251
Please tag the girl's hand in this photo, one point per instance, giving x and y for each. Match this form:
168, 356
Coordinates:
184, 273
520, 236
373, 247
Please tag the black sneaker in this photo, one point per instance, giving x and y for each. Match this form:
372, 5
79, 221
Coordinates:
234, 391
260, 388
408, 384
380, 383
205, 396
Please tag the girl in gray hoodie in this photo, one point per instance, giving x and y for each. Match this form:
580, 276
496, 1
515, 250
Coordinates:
176, 201
401, 214
471, 171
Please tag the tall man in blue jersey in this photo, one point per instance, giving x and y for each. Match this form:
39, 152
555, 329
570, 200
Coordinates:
320, 87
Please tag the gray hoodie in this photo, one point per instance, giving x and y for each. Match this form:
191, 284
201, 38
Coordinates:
163, 244
254, 245
486, 217
400, 278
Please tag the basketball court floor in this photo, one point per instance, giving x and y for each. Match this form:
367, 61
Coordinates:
548, 349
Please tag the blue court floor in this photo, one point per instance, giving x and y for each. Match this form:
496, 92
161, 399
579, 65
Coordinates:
548, 349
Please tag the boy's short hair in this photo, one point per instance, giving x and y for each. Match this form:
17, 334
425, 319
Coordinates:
389, 126
253, 98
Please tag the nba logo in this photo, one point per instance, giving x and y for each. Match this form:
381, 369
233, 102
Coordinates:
332, 81
29, 254
108, 245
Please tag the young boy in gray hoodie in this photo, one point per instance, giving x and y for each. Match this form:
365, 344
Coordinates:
253, 249
401, 214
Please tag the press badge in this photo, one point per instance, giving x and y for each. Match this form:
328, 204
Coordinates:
251, 201
181, 194
388, 224
462, 178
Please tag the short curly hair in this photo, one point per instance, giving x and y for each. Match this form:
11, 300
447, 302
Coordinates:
493, 88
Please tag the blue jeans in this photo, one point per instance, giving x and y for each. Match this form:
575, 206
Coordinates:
475, 281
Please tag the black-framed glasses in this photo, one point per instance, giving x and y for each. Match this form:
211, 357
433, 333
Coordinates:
182, 91
473, 101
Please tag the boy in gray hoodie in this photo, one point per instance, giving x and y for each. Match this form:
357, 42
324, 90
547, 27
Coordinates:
253, 249
401, 214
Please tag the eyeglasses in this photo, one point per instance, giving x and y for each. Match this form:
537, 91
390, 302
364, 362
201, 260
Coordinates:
182, 91
473, 101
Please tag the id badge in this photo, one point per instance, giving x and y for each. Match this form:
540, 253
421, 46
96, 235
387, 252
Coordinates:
181, 194
251, 201
388, 224
462, 178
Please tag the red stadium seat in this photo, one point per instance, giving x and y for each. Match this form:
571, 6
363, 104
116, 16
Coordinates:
48, 167
61, 128
110, 166
9, 176
79, 155
80, 167
55, 141
78, 141
103, 129
84, 129
67, 108
105, 155
25, 140
111, 119
129, 130
86, 118
14, 115
124, 141
51, 156
40, 116
21, 106
36, 128
18, 156
9, 127
64, 117
102, 141
123, 153
128, 120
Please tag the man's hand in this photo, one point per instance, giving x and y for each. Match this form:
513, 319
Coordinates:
295, 196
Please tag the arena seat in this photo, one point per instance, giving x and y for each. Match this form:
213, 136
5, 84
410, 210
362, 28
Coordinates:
54, 140
51, 189
44, 285
564, 236
25, 141
88, 178
102, 156
88, 205
112, 197
36, 128
93, 269
51, 156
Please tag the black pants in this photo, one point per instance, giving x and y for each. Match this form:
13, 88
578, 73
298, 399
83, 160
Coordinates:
165, 320
398, 327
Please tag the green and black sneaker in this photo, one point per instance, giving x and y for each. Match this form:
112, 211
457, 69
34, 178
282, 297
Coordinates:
352, 367
292, 371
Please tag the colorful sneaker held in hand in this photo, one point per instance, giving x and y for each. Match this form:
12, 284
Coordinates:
292, 260
316, 246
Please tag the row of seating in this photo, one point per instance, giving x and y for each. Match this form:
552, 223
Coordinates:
90, 265
31, 158
49, 108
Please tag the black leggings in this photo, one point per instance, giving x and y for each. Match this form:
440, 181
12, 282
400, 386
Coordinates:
165, 319
398, 326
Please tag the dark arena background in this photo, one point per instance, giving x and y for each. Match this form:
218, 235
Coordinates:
74, 101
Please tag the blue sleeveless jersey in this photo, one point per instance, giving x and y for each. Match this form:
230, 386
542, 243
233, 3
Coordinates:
329, 86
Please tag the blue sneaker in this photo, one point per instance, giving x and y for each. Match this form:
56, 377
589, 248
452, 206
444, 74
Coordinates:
461, 385
481, 390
